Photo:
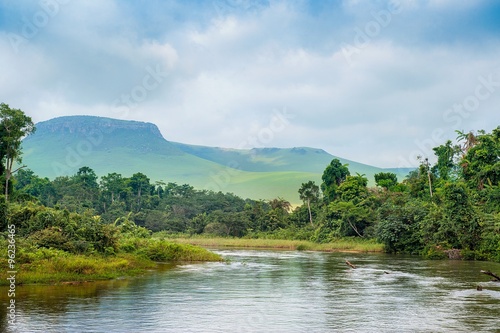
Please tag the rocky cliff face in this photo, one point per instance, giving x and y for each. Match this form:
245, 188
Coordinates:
88, 125
102, 134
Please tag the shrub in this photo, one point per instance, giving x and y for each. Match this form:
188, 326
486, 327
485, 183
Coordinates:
51, 238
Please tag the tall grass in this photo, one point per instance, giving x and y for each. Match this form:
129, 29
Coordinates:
63, 267
354, 245
164, 250
136, 255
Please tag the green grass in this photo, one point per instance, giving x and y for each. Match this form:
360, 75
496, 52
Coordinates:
78, 268
50, 266
165, 250
341, 245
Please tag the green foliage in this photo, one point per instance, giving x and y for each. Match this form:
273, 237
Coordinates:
434, 253
14, 126
398, 226
481, 160
386, 180
347, 219
291, 232
162, 250
461, 220
353, 189
445, 167
334, 174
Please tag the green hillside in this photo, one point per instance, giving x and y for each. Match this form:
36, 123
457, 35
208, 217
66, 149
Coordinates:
62, 145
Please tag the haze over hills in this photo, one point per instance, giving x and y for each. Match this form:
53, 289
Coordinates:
62, 145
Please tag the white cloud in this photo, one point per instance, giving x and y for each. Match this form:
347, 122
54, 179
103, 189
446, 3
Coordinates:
224, 78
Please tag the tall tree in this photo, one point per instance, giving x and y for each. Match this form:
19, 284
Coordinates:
140, 185
308, 193
445, 166
353, 189
14, 126
86, 184
386, 180
334, 174
481, 163
112, 185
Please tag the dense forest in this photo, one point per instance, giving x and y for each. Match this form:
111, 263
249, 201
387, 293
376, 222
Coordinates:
449, 209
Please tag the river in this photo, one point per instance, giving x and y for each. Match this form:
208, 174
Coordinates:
273, 291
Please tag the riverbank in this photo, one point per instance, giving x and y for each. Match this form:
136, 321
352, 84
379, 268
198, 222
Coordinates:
134, 257
341, 245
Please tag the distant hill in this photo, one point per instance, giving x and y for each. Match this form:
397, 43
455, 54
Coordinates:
62, 145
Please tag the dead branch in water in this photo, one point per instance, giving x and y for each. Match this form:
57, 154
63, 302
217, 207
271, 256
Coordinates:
349, 264
497, 278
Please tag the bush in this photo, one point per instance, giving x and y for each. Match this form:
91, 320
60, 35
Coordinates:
434, 253
51, 238
216, 229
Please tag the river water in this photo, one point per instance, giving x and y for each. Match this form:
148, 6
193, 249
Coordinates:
273, 291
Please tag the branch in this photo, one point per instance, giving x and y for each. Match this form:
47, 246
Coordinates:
349, 264
21, 167
354, 228
497, 278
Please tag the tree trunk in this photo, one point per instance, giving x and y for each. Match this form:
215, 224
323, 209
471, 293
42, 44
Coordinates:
6, 188
8, 174
430, 183
354, 228
309, 208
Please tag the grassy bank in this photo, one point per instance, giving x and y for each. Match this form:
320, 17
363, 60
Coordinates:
339, 245
134, 256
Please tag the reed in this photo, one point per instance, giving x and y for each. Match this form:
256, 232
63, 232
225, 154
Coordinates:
340, 245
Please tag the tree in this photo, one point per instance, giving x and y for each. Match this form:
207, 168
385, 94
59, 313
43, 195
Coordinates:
469, 141
139, 183
280, 204
445, 165
387, 180
159, 188
481, 162
309, 192
113, 185
29, 183
353, 189
14, 126
87, 177
334, 174
461, 217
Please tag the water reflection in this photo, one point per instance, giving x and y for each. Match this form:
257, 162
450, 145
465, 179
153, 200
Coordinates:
273, 291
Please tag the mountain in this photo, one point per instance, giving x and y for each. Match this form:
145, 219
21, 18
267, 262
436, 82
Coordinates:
62, 145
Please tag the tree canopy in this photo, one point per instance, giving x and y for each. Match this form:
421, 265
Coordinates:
14, 126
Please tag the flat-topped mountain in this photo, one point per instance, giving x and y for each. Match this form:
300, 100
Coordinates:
61, 146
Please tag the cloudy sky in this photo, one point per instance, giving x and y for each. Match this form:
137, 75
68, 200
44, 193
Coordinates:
379, 82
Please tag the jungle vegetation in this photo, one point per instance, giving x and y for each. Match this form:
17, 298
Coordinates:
437, 211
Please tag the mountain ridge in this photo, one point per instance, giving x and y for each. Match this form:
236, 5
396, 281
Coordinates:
61, 145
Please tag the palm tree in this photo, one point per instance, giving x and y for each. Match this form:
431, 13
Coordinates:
470, 140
